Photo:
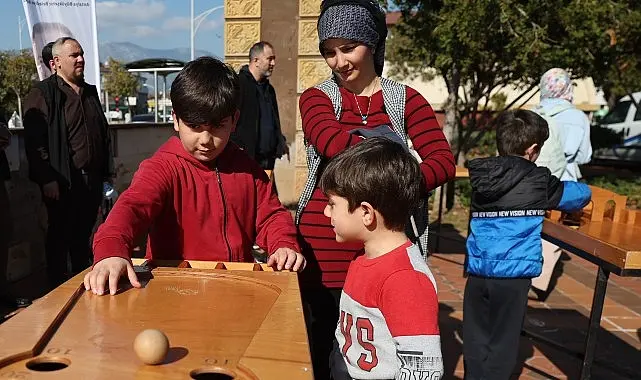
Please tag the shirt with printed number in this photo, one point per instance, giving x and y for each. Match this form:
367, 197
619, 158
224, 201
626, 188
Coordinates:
388, 326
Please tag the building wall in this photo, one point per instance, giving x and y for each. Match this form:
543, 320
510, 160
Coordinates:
132, 144
312, 70
28, 215
279, 27
242, 30
291, 28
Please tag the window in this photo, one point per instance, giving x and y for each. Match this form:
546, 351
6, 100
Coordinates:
637, 115
618, 113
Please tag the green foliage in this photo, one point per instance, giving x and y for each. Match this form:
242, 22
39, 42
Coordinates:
17, 74
118, 81
463, 191
620, 67
480, 47
486, 146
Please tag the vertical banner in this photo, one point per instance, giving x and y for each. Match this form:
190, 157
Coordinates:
49, 20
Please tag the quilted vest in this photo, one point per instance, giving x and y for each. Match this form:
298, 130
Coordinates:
394, 100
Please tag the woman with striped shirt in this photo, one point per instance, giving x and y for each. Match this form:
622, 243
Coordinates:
352, 41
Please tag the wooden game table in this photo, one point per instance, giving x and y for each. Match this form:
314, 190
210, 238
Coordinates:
614, 247
223, 321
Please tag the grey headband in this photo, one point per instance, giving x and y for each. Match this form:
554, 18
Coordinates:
352, 22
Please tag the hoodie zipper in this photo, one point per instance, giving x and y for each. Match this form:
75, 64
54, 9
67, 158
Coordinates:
222, 195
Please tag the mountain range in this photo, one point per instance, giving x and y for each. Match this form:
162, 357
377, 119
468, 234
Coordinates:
128, 52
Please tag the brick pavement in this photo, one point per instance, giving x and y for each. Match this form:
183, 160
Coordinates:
562, 318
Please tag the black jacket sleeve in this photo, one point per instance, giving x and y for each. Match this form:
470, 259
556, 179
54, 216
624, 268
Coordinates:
245, 135
109, 170
5, 139
282, 141
36, 137
555, 192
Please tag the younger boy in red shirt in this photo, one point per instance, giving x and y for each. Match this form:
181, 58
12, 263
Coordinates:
199, 197
388, 326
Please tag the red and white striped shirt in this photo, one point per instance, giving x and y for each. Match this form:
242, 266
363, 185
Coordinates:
330, 137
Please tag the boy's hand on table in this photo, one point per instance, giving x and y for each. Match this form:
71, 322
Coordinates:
287, 258
108, 271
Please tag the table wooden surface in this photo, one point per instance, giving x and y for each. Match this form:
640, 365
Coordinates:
618, 244
245, 321
462, 172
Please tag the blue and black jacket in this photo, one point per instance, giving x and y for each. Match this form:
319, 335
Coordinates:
509, 198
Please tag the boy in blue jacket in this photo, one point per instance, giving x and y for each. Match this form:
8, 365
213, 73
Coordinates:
510, 195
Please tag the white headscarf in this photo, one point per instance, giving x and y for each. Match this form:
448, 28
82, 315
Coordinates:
556, 84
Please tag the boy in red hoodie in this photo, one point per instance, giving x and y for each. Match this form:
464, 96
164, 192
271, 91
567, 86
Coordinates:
199, 197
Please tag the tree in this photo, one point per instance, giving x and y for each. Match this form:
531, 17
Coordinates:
17, 74
481, 47
119, 82
620, 71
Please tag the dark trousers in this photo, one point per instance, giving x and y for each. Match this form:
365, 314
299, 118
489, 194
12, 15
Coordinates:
337, 364
5, 236
493, 314
321, 307
70, 223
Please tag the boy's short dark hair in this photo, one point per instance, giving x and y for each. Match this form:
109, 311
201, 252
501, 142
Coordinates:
381, 172
205, 92
47, 54
517, 130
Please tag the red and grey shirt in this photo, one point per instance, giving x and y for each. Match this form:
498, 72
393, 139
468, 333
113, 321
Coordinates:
388, 325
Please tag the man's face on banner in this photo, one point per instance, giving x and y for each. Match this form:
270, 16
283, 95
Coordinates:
43, 33
70, 61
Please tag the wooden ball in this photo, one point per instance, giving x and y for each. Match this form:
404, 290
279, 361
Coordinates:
151, 346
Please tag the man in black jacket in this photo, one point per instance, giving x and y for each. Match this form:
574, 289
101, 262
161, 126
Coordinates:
68, 149
258, 130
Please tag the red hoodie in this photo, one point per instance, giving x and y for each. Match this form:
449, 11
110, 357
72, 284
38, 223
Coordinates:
195, 210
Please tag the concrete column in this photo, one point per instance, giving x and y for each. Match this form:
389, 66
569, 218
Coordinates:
280, 28
290, 26
242, 30
311, 70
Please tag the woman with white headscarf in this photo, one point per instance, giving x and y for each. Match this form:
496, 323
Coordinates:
573, 128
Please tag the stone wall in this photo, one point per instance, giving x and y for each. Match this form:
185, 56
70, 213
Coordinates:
28, 215
312, 70
132, 144
291, 28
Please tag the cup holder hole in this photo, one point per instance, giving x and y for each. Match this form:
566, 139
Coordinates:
47, 364
211, 374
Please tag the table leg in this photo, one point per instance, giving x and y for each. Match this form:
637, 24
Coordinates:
439, 221
595, 322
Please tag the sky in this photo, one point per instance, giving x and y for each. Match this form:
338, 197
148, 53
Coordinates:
156, 24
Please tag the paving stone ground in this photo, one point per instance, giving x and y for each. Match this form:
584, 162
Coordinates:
562, 318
